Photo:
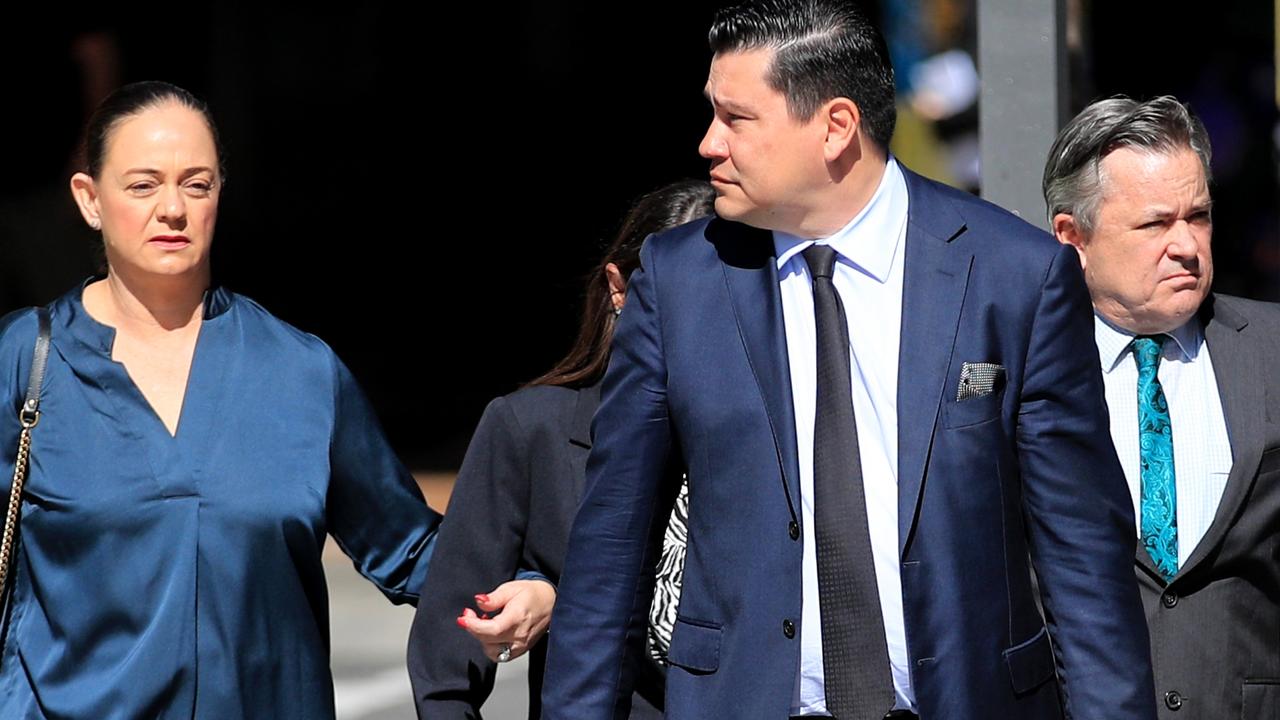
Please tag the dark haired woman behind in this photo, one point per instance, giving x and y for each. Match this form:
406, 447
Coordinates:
191, 454
515, 499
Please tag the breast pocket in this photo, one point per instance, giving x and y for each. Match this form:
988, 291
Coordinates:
962, 413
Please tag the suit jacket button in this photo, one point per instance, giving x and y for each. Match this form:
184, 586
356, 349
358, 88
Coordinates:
793, 529
1169, 599
788, 629
1173, 700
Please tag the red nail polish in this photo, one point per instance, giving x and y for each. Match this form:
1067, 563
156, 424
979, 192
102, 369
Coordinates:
482, 598
462, 622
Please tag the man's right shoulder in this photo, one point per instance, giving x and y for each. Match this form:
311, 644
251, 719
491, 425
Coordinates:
1253, 309
1260, 313
708, 241
687, 238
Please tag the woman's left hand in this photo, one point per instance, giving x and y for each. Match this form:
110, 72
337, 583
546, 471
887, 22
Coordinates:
522, 612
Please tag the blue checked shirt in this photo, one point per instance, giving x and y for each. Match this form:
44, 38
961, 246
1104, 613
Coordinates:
1201, 449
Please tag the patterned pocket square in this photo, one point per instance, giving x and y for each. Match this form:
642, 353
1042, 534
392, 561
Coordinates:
979, 380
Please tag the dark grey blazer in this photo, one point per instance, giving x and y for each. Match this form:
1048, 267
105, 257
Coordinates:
1215, 629
511, 509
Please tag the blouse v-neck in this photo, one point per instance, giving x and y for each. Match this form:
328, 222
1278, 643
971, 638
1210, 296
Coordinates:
176, 457
182, 405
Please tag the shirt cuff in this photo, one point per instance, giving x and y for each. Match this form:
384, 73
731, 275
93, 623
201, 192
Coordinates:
534, 575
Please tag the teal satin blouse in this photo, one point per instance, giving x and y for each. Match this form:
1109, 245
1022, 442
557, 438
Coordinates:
165, 576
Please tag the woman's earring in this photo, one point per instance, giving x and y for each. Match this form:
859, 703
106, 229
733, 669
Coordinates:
96, 224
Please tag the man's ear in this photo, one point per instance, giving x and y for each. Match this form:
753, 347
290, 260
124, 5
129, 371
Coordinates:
1068, 232
843, 121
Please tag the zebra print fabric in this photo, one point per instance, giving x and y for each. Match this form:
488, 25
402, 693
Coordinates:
670, 575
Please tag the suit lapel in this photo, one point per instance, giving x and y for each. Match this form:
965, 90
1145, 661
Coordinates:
935, 277
1239, 375
751, 274
579, 430
584, 410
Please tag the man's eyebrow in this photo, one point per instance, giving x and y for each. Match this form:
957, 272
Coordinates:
1161, 212
1169, 213
725, 103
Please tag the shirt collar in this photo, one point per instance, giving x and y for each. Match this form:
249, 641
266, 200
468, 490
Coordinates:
870, 240
1113, 342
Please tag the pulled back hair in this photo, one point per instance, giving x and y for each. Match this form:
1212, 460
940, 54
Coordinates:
823, 49
131, 100
665, 208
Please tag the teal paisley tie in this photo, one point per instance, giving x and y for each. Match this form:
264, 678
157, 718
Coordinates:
1155, 437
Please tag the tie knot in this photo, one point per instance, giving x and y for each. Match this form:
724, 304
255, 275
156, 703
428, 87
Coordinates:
821, 260
1146, 350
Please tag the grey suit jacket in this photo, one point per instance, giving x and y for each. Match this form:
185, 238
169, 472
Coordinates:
1215, 629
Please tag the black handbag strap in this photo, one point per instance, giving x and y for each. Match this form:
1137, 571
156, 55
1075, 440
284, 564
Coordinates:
30, 413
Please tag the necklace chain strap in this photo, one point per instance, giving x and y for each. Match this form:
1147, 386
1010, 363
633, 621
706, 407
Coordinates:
15, 501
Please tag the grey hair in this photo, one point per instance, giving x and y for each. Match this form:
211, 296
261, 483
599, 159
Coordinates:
1072, 174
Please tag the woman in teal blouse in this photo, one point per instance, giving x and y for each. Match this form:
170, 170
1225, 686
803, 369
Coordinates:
192, 454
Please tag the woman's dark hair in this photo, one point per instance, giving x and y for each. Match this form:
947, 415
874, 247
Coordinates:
130, 100
662, 209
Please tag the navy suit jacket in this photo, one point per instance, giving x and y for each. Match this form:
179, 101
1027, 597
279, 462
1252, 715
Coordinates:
700, 371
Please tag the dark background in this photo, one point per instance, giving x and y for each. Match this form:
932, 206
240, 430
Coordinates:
426, 189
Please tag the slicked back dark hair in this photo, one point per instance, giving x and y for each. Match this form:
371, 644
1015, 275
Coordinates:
823, 49
131, 100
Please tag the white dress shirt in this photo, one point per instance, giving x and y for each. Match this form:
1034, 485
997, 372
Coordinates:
868, 276
1201, 448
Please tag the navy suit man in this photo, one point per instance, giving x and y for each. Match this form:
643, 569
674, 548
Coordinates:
886, 396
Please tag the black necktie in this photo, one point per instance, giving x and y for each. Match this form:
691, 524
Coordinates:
855, 666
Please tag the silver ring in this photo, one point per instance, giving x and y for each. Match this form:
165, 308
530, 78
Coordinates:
504, 655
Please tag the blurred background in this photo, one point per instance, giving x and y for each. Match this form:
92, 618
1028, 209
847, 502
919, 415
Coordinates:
426, 187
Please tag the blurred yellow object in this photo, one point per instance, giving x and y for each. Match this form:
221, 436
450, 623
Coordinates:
917, 146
